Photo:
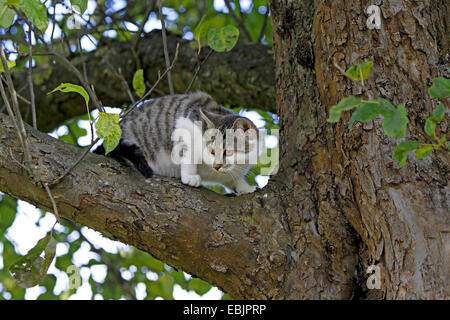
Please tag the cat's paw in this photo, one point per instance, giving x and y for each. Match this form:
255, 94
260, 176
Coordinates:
245, 188
192, 180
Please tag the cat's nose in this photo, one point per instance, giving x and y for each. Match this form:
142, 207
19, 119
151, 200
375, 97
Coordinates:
217, 166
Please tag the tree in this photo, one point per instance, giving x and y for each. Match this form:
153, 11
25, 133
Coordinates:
339, 203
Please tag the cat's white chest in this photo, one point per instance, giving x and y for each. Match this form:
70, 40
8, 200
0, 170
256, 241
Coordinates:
164, 166
188, 137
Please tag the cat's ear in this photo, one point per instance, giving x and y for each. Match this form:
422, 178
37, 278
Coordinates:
244, 124
208, 117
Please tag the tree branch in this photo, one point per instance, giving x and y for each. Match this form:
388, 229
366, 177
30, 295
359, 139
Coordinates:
220, 239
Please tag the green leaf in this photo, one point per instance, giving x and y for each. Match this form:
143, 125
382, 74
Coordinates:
138, 83
36, 12
360, 71
217, 189
70, 87
12, 3
207, 22
75, 131
6, 15
252, 174
387, 104
402, 150
439, 112
8, 207
79, 5
344, 105
226, 296
199, 286
108, 128
430, 127
223, 39
367, 111
440, 88
154, 264
436, 117
31, 269
424, 151
201, 31
10, 64
395, 123
180, 279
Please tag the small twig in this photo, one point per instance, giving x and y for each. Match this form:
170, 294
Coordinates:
30, 78
85, 152
24, 99
201, 9
23, 138
15, 160
18, 95
83, 59
150, 8
127, 87
79, 75
9, 109
14, 121
54, 22
17, 117
35, 54
369, 95
55, 209
160, 77
158, 91
342, 71
199, 65
136, 58
88, 36
238, 21
62, 44
69, 65
263, 28
166, 52
118, 74
362, 79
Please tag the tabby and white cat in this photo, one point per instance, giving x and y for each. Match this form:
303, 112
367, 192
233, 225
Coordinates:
151, 131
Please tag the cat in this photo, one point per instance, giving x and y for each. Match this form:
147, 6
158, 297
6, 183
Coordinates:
184, 136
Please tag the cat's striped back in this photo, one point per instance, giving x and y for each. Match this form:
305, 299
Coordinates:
150, 125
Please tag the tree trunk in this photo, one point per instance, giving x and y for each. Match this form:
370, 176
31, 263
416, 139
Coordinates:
363, 208
339, 202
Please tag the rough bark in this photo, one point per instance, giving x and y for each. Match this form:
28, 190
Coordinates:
339, 202
226, 241
242, 77
372, 211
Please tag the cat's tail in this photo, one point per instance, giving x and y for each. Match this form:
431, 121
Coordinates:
128, 154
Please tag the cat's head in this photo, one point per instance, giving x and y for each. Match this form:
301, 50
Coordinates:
230, 141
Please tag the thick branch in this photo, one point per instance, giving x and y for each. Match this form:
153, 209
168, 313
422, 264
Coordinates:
241, 77
234, 243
